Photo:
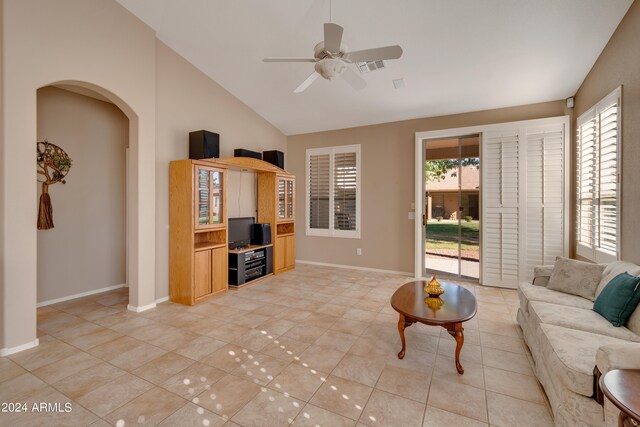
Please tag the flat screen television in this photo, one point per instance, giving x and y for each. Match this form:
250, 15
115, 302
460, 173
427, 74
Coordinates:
240, 232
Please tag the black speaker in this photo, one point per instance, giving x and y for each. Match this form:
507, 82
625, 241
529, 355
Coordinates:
204, 145
241, 152
260, 234
274, 157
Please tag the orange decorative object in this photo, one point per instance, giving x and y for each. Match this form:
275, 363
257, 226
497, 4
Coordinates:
433, 288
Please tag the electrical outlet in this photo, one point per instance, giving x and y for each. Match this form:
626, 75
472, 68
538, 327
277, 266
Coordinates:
359, 251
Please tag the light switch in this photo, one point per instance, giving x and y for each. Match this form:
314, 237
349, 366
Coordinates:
412, 215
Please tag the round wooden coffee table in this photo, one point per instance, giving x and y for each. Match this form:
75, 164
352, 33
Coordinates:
455, 306
622, 388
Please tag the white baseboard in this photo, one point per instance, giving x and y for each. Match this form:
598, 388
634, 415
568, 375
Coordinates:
159, 300
80, 295
141, 308
16, 349
352, 267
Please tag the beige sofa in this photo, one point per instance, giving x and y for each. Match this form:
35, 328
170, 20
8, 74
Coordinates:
568, 340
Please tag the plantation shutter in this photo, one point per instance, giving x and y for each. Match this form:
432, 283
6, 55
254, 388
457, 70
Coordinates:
500, 163
344, 191
586, 170
598, 145
319, 181
544, 234
607, 232
333, 191
524, 202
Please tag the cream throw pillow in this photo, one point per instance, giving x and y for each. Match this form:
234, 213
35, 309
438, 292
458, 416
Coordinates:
576, 277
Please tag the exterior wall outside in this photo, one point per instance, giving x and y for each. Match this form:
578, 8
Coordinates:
450, 205
619, 64
388, 185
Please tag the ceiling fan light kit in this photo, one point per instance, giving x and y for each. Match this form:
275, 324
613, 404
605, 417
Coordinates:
330, 67
332, 59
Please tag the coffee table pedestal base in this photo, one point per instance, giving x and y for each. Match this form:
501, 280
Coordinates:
454, 329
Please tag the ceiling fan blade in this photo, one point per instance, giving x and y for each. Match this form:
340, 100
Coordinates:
354, 80
332, 37
289, 60
305, 84
375, 54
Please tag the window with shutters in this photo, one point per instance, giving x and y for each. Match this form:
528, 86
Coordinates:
598, 180
333, 191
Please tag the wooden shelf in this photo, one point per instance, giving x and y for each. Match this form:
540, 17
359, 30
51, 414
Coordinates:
285, 229
248, 249
207, 246
254, 281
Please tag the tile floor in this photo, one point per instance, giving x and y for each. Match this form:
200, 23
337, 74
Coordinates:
313, 347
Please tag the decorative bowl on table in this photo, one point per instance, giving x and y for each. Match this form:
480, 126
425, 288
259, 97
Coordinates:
433, 287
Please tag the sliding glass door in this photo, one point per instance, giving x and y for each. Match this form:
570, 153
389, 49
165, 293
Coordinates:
452, 206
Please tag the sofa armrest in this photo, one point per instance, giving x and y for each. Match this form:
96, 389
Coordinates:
618, 356
614, 356
541, 274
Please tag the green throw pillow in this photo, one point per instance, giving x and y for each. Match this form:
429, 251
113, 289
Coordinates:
618, 299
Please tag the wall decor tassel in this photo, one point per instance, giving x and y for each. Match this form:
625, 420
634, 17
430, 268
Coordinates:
45, 210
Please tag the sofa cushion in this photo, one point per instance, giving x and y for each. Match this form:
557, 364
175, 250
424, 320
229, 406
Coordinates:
571, 355
583, 319
618, 299
528, 292
634, 321
541, 275
612, 269
576, 277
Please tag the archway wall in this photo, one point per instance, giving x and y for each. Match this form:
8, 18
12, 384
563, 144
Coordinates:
99, 45
86, 250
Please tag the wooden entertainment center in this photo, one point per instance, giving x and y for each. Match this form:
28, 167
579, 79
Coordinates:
198, 229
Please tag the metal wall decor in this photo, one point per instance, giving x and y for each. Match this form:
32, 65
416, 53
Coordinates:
53, 165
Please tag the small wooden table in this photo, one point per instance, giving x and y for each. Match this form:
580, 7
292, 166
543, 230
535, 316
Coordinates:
622, 388
458, 305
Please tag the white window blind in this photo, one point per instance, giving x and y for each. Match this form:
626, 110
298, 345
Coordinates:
597, 180
319, 187
544, 234
524, 199
333, 191
501, 166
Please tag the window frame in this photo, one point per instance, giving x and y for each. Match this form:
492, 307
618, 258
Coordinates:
331, 231
594, 252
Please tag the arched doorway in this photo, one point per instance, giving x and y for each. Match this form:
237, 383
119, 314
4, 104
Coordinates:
85, 252
141, 295
19, 299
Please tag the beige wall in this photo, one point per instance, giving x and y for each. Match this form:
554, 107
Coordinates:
2, 275
189, 100
388, 185
100, 44
619, 64
86, 249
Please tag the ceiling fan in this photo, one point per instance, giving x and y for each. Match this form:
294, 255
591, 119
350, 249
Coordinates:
332, 59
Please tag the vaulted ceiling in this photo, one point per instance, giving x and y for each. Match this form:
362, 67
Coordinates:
459, 56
